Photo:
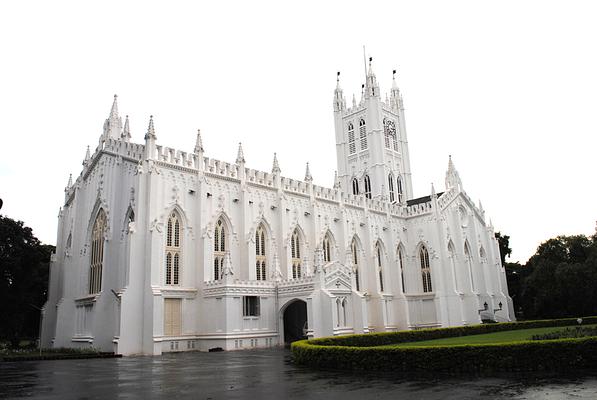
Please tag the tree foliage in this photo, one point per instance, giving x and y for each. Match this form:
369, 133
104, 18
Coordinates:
24, 263
559, 280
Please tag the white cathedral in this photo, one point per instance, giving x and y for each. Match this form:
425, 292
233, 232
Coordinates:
162, 250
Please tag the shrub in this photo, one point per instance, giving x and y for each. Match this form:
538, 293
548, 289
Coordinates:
376, 351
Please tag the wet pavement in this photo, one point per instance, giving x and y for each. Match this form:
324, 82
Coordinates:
262, 374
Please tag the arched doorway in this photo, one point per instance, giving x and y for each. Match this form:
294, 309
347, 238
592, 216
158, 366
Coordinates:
295, 321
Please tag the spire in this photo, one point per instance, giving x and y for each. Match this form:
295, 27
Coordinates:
240, 158
394, 84
113, 125
126, 132
452, 177
70, 181
308, 177
276, 167
198, 143
150, 130
433, 193
87, 156
371, 82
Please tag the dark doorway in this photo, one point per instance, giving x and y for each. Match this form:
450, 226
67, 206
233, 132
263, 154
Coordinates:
295, 321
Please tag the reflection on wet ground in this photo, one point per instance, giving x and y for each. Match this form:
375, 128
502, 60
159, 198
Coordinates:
263, 374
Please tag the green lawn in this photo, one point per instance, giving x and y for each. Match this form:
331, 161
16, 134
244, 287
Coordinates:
496, 337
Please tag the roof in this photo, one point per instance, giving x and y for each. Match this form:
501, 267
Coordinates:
420, 200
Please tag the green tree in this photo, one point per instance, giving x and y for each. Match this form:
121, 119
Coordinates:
504, 245
24, 265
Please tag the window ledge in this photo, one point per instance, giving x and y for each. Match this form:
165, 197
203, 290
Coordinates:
88, 300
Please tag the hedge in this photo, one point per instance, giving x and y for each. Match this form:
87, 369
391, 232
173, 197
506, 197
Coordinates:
375, 351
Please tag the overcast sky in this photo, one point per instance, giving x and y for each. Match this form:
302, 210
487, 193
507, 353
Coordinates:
508, 88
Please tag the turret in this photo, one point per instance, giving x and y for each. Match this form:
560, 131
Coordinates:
339, 101
371, 86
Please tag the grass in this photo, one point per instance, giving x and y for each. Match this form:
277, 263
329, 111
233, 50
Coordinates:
487, 338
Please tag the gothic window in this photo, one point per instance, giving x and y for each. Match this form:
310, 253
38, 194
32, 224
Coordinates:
363, 134
355, 264
219, 249
425, 270
352, 146
367, 186
295, 250
401, 266
469, 265
173, 250
386, 133
97, 253
399, 189
327, 248
452, 256
260, 254
251, 306
355, 186
379, 265
391, 187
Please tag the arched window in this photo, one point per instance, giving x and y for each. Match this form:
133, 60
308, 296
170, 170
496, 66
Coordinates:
386, 132
327, 248
352, 146
355, 186
379, 265
391, 187
219, 249
355, 264
260, 259
482, 253
469, 265
401, 266
295, 250
173, 250
452, 256
399, 189
425, 270
367, 186
363, 134
97, 252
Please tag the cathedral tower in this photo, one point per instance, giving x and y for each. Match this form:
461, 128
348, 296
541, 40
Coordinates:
371, 143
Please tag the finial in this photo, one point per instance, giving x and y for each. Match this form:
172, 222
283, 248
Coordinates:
308, 177
198, 143
240, 157
394, 85
276, 166
114, 110
150, 130
433, 194
87, 156
70, 181
338, 80
370, 67
336, 180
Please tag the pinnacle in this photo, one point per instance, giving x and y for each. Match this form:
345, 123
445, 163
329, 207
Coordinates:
126, 132
308, 176
198, 143
276, 166
114, 110
150, 129
240, 158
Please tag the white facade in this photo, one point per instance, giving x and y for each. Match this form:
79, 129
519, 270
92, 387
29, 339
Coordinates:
164, 250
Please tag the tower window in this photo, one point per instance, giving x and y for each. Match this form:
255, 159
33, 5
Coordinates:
327, 251
401, 265
363, 134
391, 187
352, 146
367, 186
379, 266
355, 263
355, 186
386, 134
399, 189
425, 270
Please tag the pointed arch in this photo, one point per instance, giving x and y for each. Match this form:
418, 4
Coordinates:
379, 263
220, 246
261, 252
386, 132
468, 259
98, 238
399, 189
352, 148
425, 268
391, 187
363, 134
173, 247
296, 251
355, 186
328, 244
400, 257
367, 182
452, 258
355, 248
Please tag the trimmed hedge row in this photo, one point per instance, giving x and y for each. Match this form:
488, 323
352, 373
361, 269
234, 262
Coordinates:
375, 351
